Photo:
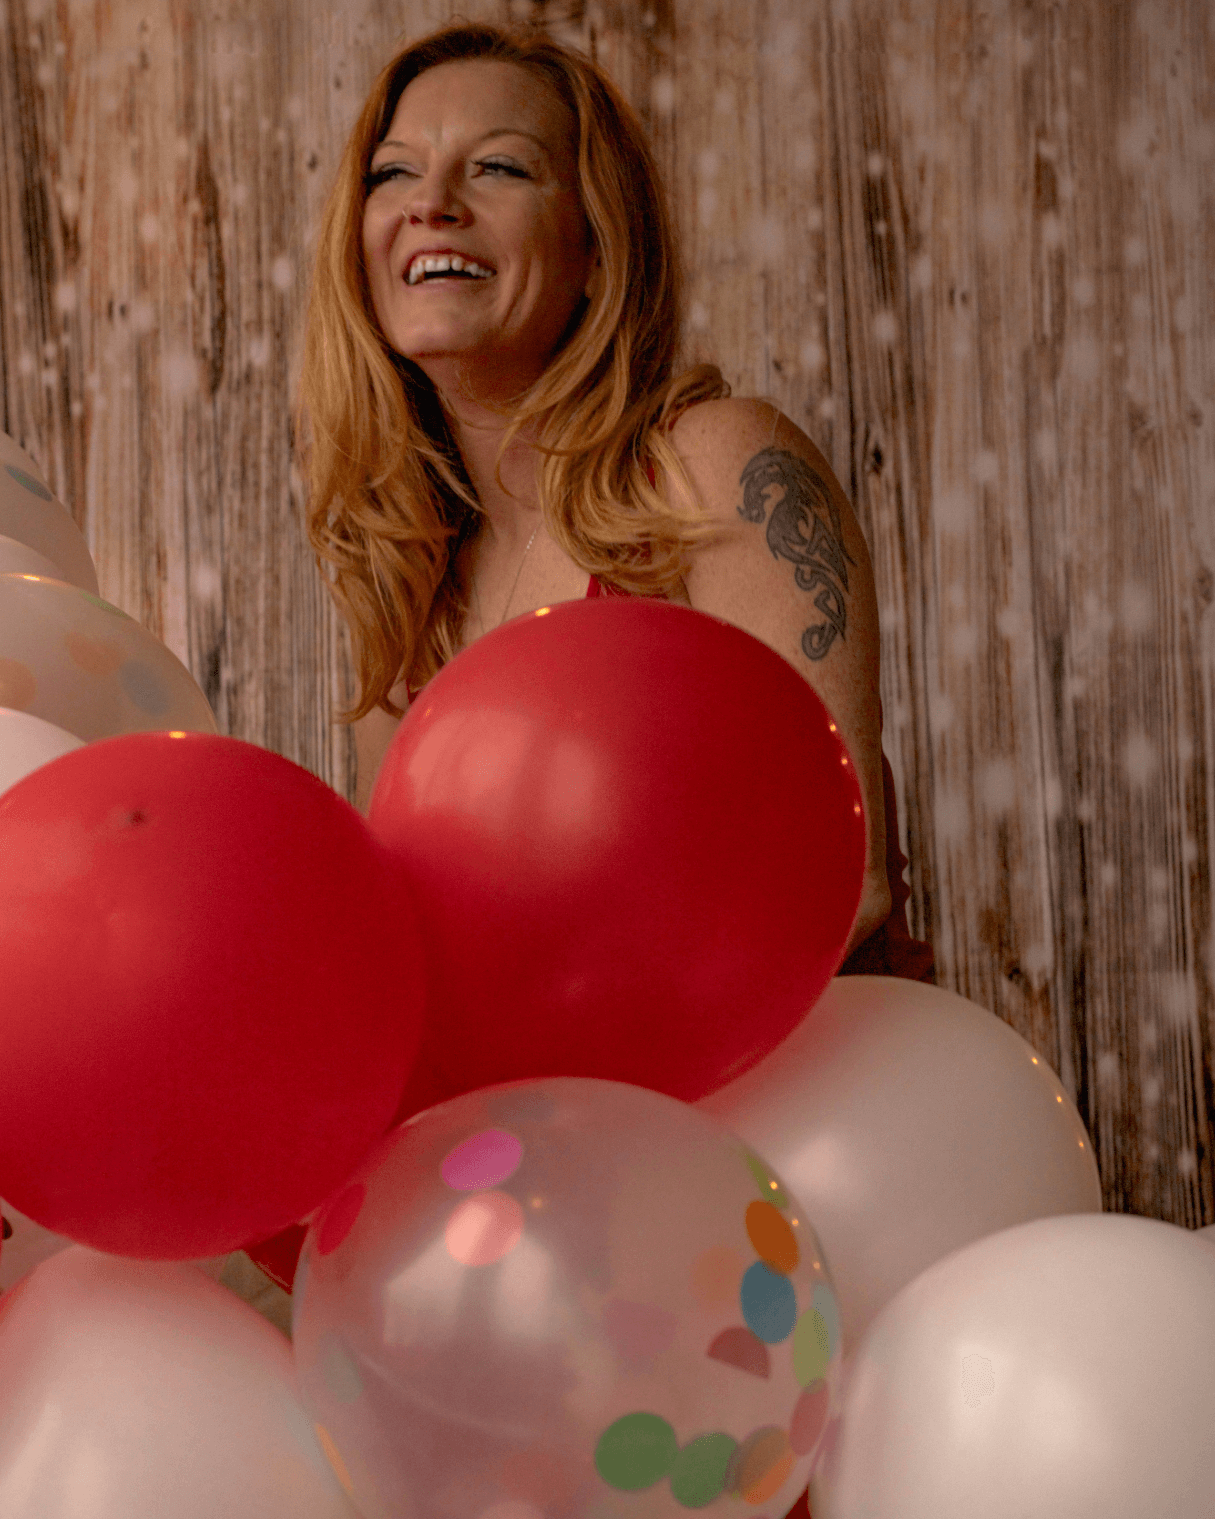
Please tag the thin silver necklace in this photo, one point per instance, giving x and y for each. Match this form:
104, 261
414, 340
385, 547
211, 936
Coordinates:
513, 589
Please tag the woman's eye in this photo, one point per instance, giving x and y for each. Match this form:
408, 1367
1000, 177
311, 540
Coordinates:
380, 176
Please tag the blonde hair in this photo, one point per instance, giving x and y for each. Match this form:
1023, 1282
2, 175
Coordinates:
390, 502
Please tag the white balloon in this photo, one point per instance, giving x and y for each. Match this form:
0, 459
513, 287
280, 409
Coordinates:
28, 1246
26, 742
909, 1122
140, 1389
33, 516
1063, 1369
19, 559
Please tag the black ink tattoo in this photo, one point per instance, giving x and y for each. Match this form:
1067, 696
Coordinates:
798, 531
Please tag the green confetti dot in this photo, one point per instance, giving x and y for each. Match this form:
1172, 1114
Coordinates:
769, 1187
699, 1473
636, 1451
811, 1347
106, 606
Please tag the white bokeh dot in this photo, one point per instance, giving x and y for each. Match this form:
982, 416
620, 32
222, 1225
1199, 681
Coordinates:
1140, 758
885, 328
998, 785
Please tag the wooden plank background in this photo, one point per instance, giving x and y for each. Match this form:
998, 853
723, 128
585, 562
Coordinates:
968, 249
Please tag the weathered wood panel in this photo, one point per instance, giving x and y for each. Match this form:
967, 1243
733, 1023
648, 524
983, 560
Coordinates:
966, 247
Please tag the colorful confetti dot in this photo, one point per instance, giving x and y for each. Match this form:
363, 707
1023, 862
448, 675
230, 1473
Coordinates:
769, 1304
483, 1160
809, 1418
105, 606
773, 1240
333, 1456
760, 1465
769, 1188
811, 1347
698, 1474
483, 1229
20, 476
743, 1350
636, 1451
825, 1304
339, 1217
144, 687
95, 656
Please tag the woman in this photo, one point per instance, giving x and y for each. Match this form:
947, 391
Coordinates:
492, 423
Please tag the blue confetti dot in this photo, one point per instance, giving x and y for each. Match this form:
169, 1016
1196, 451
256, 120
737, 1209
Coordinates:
769, 1304
144, 687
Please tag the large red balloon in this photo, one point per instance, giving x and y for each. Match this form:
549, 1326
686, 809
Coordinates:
211, 993
637, 843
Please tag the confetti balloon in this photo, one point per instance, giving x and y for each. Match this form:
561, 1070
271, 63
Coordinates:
30, 514
78, 662
138, 1390
212, 985
1065, 1367
566, 1297
638, 843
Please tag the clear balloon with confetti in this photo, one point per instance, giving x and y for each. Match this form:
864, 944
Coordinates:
564, 1298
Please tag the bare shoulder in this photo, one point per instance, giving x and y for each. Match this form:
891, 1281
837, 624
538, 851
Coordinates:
737, 447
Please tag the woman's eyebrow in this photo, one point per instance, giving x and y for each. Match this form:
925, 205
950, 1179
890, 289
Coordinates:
493, 132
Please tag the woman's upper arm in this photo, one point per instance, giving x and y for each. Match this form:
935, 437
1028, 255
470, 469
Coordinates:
372, 736
794, 571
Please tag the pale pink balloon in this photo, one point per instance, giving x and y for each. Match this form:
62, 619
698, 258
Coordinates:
1064, 1368
140, 1390
909, 1122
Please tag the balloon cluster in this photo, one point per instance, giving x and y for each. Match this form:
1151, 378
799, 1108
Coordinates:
612, 1202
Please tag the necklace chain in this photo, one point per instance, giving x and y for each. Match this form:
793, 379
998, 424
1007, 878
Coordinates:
513, 588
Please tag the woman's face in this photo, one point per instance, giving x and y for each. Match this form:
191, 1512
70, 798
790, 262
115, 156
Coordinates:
480, 157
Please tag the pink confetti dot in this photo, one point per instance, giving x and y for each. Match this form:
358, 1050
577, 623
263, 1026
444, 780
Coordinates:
483, 1160
483, 1229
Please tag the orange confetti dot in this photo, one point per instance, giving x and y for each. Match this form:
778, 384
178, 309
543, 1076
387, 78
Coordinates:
773, 1240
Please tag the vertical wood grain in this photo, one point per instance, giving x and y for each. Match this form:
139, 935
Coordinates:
965, 246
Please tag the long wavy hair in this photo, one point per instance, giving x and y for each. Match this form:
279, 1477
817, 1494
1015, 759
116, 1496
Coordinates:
390, 501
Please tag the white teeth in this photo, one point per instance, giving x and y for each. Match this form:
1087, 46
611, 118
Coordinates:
432, 263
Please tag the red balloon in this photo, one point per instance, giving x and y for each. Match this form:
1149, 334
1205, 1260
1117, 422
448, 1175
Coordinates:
212, 993
637, 843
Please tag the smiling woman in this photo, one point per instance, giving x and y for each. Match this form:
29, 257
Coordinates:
492, 420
